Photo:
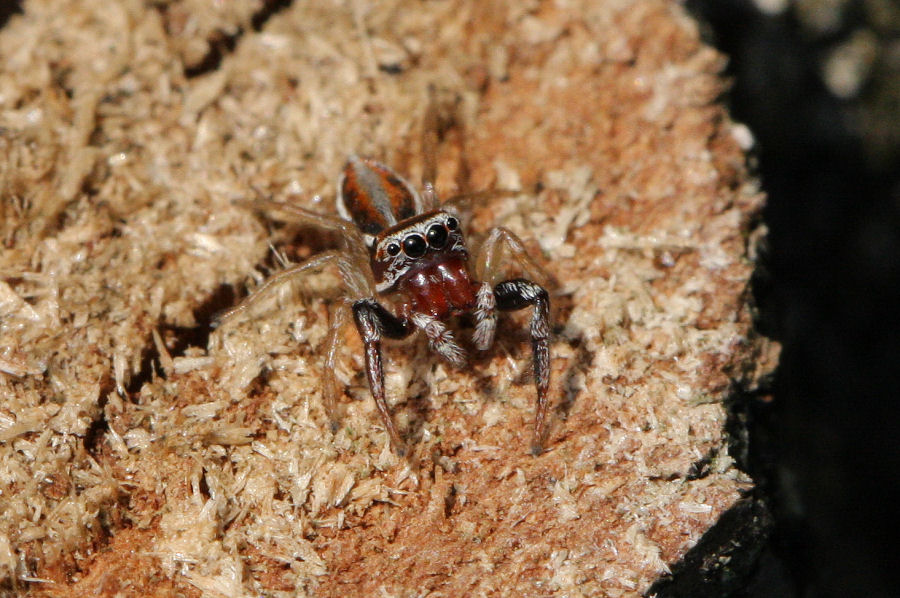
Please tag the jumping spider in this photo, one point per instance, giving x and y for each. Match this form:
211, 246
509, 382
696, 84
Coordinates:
396, 241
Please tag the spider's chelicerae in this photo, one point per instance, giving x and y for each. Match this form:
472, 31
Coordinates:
398, 242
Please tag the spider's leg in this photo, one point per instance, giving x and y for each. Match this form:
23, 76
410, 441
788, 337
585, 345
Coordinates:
442, 114
430, 136
356, 283
313, 264
440, 338
489, 262
512, 295
374, 321
516, 294
302, 215
489, 266
463, 202
330, 389
359, 277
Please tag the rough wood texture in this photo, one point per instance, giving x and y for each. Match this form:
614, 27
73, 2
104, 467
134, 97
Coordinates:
141, 456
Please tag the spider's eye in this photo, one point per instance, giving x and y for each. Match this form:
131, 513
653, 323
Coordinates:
414, 245
437, 236
393, 249
452, 223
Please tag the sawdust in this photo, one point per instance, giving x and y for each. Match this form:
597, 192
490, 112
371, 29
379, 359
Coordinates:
141, 454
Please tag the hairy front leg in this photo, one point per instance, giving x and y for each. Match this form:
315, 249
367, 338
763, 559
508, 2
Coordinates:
373, 321
517, 294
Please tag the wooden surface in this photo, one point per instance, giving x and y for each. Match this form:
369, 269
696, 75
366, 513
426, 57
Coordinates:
141, 454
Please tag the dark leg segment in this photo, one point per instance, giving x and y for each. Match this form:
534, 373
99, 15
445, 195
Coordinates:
517, 294
373, 321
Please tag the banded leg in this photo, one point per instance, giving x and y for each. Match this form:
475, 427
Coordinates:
516, 294
512, 295
373, 321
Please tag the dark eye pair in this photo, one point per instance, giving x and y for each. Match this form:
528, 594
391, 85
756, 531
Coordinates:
415, 245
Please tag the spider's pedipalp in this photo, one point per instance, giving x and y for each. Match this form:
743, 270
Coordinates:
440, 338
485, 317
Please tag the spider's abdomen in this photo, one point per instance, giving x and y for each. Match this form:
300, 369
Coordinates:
440, 289
374, 197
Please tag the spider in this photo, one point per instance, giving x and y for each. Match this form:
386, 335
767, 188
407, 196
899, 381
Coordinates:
398, 242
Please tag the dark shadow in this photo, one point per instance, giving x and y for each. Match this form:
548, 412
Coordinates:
222, 44
824, 451
723, 558
8, 8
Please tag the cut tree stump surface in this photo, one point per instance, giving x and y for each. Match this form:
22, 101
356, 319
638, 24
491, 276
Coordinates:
142, 454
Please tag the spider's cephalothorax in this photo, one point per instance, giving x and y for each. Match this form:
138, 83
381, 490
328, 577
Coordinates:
397, 241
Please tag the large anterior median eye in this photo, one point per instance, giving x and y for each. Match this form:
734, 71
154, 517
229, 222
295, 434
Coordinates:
437, 236
414, 245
